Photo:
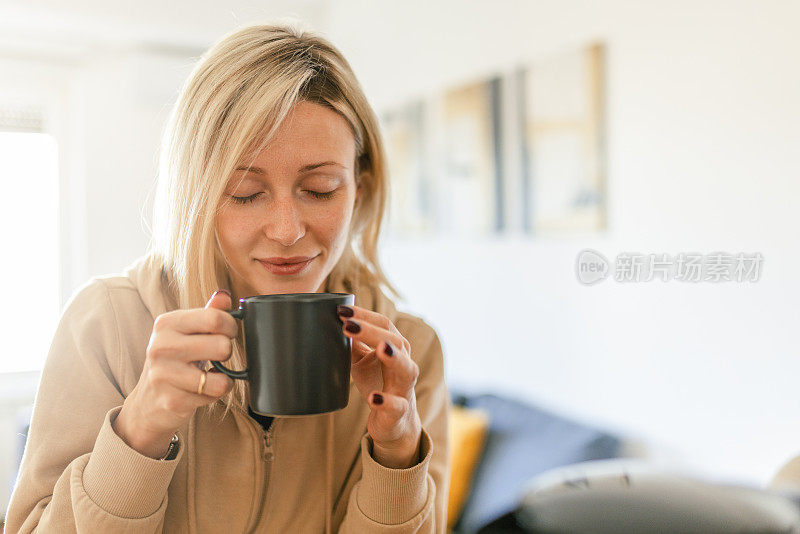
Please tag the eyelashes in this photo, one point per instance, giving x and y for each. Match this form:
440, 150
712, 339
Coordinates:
321, 196
315, 194
244, 200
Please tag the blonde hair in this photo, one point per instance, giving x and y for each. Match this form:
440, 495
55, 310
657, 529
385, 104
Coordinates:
233, 101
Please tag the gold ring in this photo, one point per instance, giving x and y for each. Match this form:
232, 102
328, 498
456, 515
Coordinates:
202, 382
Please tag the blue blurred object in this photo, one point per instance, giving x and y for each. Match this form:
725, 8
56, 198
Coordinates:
21, 424
523, 441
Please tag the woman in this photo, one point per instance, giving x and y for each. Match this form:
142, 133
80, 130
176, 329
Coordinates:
272, 153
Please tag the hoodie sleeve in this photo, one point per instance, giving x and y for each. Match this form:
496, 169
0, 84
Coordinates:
77, 474
412, 500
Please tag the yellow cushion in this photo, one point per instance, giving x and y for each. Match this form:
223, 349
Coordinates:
467, 430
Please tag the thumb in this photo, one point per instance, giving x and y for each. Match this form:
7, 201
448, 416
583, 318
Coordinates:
221, 300
392, 407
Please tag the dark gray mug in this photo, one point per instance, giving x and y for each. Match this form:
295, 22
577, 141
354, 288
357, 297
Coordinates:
298, 358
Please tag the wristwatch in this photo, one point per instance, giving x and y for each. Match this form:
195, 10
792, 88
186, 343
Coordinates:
173, 448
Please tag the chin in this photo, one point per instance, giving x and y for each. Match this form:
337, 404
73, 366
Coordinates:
298, 285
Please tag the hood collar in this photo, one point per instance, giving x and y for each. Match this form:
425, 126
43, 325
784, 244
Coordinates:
153, 284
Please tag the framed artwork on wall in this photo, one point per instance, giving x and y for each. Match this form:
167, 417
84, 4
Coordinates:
411, 199
519, 151
563, 152
473, 166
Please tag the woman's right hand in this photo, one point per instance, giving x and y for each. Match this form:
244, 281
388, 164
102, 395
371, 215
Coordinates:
166, 394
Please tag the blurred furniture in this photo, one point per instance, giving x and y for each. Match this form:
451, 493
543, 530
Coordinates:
498, 444
617, 497
467, 430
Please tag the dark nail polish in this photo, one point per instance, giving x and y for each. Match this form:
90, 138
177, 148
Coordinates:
221, 291
352, 327
377, 398
344, 311
389, 350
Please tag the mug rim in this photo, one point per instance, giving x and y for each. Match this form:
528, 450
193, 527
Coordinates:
293, 297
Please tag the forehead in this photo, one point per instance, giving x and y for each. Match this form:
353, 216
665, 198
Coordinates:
309, 131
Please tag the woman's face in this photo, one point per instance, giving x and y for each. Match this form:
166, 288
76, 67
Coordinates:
296, 200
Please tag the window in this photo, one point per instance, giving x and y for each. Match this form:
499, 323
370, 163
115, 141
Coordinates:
29, 270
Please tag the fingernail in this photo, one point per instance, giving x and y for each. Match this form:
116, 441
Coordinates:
352, 327
377, 398
221, 291
389, 349
344, 311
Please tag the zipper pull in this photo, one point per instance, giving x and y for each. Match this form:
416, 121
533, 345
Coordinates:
267, 445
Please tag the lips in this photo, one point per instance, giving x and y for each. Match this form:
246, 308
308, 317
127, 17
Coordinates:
277, 260
289, 265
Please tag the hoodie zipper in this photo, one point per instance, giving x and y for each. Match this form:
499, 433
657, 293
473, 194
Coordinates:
267, 456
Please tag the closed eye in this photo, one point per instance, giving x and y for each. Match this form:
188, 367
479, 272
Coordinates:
245, 200
316, 194
321, 195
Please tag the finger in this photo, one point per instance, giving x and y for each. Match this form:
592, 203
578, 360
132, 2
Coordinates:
187, 378
219, 323
390, 407
221, 300
370, 333
400, 372
192, 348
366, 370
198, 321
364, 364
183, 402
365, 315
359, 351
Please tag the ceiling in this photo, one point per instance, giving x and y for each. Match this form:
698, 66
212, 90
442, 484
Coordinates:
56, 27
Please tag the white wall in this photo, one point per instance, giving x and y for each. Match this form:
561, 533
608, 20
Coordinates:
702, 120
702, 151
127, 95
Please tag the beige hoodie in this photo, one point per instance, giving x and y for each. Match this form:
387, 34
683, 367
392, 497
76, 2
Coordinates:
306, 474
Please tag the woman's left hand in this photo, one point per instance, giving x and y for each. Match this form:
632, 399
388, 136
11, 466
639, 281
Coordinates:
385, 374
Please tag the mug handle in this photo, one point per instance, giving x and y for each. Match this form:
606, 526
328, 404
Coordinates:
241, 375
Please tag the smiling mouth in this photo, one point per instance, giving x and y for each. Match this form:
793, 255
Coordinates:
277, 260
286, 268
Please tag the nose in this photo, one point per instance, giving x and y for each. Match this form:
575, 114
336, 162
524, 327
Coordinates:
284, 222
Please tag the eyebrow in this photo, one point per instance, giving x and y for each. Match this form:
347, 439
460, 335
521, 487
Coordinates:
304, 168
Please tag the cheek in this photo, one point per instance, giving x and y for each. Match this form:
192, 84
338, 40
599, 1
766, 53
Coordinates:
235, 229
333, 222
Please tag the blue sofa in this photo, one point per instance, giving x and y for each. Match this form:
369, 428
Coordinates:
523, 441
